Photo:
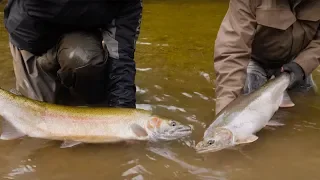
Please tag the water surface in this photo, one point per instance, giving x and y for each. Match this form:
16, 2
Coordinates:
174, 79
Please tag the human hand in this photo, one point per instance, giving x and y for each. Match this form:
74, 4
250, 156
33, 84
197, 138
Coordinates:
296, 73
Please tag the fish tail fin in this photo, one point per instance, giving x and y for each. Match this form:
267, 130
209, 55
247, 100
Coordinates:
9, 132
286, 100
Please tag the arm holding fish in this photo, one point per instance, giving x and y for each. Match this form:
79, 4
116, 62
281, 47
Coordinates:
306, 62
233, 50
120, 39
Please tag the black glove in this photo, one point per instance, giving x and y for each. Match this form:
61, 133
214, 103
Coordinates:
296, 73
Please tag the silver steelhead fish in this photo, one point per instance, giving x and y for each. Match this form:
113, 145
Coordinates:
241, 119
74, 125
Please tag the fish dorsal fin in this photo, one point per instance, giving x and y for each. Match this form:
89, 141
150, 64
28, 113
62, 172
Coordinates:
138, 130
245, 140
69, 143
9, 132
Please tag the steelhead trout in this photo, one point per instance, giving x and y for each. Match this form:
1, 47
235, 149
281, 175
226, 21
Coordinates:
74, 125
238, 122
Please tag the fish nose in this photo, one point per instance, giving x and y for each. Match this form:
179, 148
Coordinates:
199, 146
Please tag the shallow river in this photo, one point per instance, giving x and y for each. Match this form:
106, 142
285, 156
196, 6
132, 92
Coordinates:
174, 79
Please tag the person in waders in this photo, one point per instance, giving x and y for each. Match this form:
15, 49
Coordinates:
259, 39
74, 52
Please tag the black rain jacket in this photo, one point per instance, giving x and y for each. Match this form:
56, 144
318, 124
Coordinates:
36, 25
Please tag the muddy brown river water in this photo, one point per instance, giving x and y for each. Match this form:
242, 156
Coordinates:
174, 79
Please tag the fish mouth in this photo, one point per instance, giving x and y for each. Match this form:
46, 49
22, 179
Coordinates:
176, 133
181, 130
200, 150
207, 150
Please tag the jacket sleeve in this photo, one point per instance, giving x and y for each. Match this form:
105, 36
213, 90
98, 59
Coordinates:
232, 51
120, 40
309, 58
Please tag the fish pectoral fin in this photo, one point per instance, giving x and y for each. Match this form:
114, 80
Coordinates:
286, 100
9, 132
69, 143
15, 91
248, 139
274, 123
138, 130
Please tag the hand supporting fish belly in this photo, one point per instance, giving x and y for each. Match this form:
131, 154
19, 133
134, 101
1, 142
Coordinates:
241, 119
74, 125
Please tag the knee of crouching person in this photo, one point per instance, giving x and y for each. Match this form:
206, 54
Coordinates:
79, 49
83, 61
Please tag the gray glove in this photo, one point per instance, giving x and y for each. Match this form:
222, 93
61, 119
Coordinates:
296, 73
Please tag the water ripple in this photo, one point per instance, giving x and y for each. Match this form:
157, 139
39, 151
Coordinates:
201, 95
202, 173
140, 90
138, 169
143, 43
157, 87
159, 99
143, 69
22, 169
173, 108
147, 107
186, 94
205, 75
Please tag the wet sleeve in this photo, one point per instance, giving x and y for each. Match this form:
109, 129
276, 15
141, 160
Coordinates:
232, 51
120, 39
309, 58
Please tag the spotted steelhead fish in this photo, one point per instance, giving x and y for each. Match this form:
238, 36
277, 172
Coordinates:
241, 119
74, 125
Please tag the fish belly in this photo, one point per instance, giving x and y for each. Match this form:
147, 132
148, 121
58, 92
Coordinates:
255, 116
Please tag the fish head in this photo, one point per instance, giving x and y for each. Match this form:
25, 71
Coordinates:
166, 129
215, 140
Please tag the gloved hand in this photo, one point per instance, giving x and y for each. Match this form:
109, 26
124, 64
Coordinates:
296, 73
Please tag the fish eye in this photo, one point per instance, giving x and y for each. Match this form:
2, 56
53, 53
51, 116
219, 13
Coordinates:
210, 142
172, 123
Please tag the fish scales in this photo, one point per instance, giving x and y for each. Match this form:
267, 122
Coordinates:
241, 119
83, 124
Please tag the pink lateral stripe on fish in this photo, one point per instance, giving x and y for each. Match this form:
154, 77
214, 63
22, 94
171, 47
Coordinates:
75, 125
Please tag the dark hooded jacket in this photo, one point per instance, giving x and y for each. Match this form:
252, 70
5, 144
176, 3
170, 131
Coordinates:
37, 25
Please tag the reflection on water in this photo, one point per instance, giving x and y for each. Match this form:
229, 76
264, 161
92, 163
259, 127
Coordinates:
199, 171
143, 69
175, 79
22, 169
